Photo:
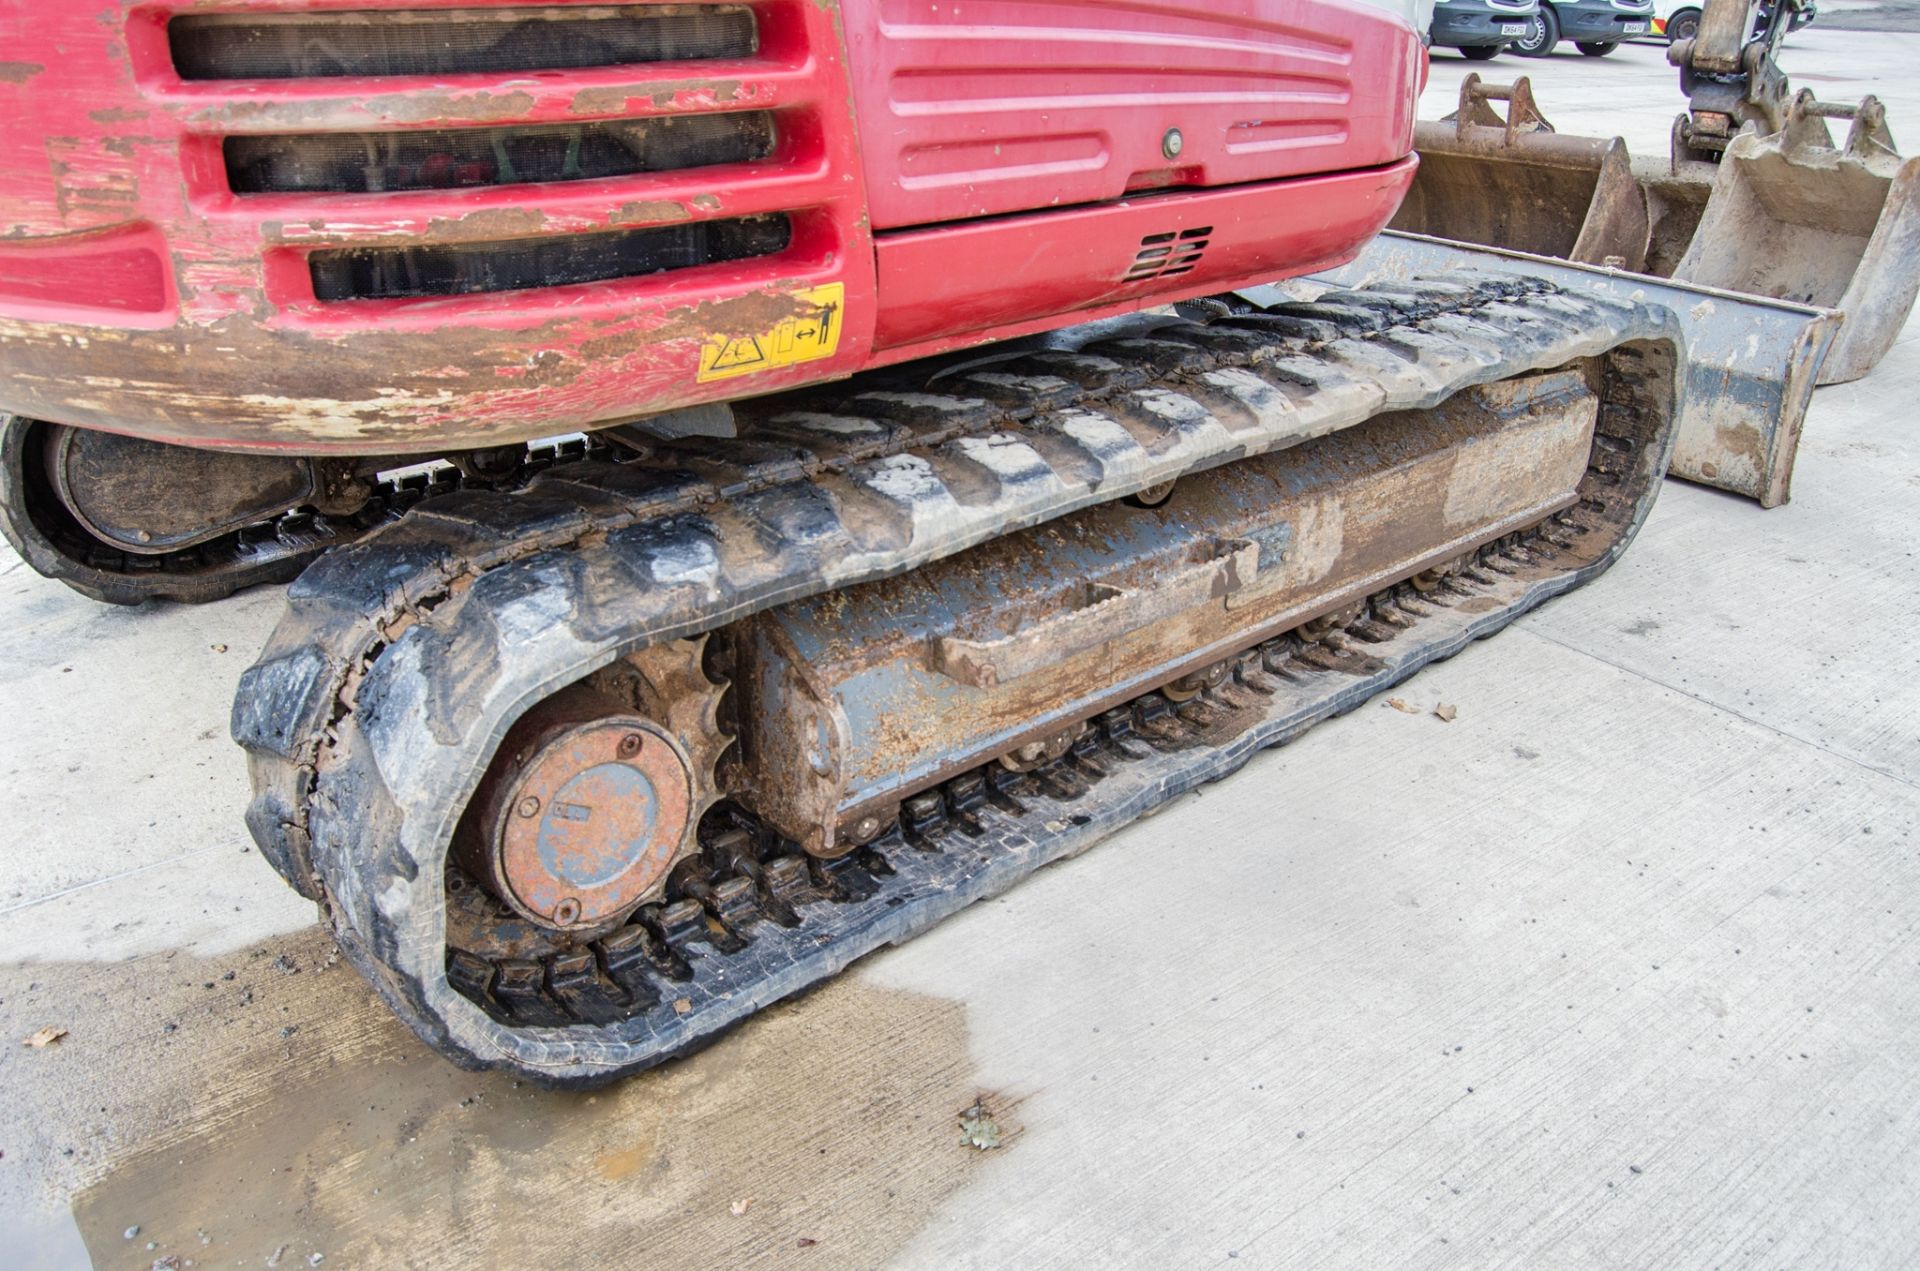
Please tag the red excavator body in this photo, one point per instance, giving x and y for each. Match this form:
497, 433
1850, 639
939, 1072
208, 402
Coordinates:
366, 227
591, 746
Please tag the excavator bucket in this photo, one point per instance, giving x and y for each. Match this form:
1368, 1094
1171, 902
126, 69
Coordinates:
1786, 215
1795, 217
1801, 244
1515, 183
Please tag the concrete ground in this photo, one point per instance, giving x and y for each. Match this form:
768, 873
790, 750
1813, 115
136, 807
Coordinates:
1617, 969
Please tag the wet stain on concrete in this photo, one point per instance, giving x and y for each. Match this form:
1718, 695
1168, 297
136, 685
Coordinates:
263, 1104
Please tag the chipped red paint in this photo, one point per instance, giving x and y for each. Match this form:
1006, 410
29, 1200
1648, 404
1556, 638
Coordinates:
191, 314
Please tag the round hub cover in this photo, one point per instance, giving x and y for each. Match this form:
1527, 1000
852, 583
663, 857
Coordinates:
594, 822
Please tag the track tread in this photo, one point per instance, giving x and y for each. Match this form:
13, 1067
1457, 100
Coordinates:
438, 630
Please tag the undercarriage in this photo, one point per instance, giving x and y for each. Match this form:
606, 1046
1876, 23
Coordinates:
586, 771
123, 520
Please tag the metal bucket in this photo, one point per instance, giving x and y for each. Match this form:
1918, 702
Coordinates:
1794, 217
1788, 216
1515, 183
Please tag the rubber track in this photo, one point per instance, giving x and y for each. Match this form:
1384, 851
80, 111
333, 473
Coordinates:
403, 658
274, 551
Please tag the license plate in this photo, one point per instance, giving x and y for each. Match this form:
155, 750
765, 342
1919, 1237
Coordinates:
1513, 28
1635, 28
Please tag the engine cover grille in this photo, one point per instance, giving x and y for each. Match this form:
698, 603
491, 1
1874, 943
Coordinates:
461, 269
450, 158
455, 41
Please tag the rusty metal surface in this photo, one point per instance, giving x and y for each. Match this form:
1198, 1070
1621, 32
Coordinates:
1751, 362
596, 793
586, 820
1797, 216
1512, 181
891, 687
1785, 215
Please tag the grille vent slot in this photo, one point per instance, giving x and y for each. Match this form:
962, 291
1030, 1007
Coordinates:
461, 269
1164, 255
455, 41
452, 158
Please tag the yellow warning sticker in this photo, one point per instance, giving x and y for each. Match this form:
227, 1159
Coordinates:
806, 337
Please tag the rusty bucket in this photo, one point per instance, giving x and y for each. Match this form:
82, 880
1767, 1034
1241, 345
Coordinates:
1513, 182
1813, 248
1794, 217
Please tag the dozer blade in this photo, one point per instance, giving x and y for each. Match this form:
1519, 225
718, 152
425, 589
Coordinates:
1751, 362
587, 773
1794, 217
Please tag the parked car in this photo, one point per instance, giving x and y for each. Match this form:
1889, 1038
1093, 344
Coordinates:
1680, 19
1596, 27
1480, 28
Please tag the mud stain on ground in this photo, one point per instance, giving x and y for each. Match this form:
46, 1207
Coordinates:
285, 1113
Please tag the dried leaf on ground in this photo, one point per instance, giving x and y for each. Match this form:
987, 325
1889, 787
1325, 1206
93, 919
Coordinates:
1447, 713
45, 1037
978, 1129
1400, 704
741, 1206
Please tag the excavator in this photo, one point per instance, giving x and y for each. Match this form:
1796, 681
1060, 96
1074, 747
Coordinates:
759, 477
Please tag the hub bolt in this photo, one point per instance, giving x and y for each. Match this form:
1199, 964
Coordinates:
529, 807
630, 745
567, 912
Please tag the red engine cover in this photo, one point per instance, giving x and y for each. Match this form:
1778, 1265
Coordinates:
939, 172
981, 107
